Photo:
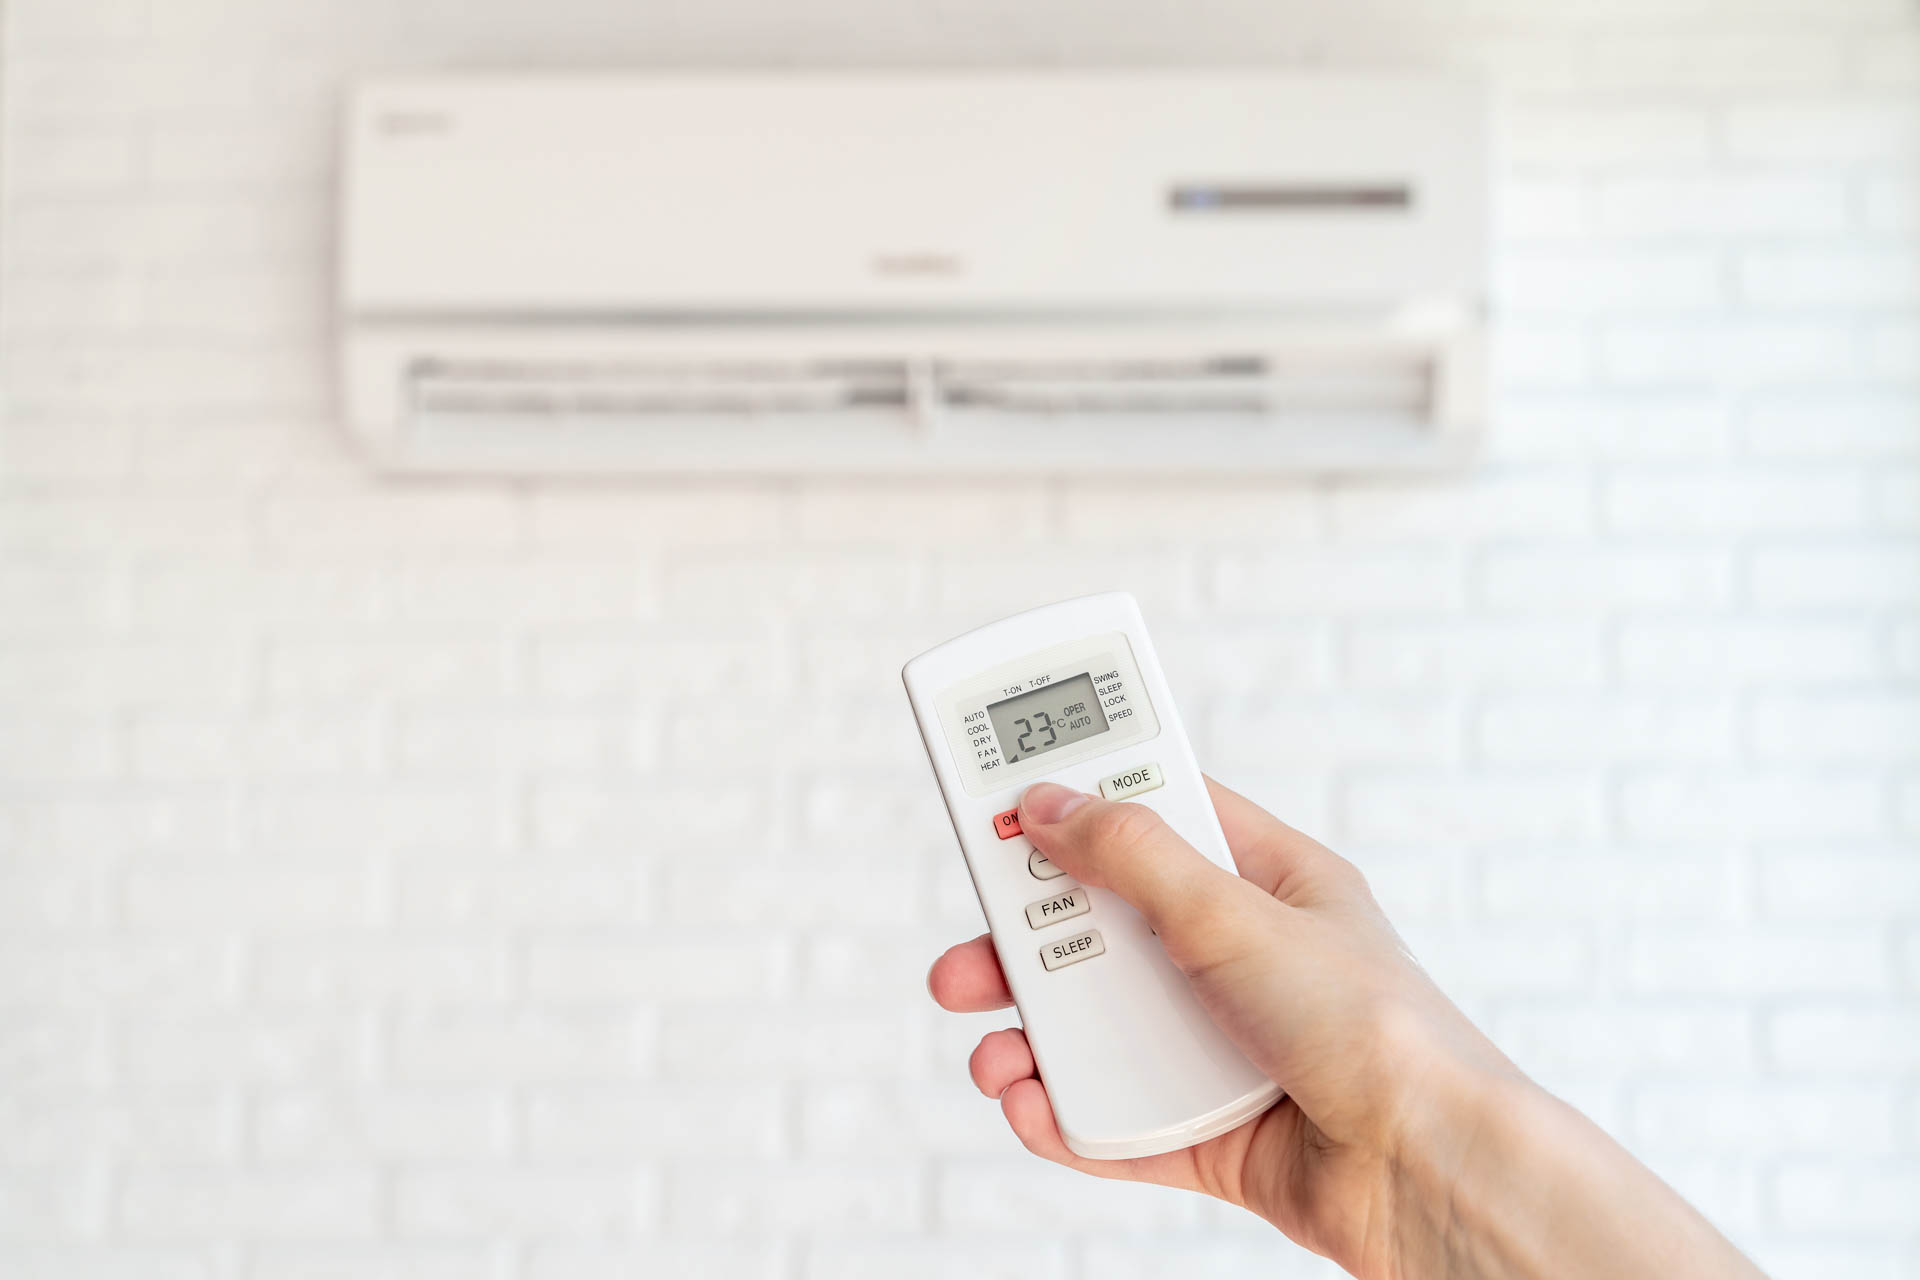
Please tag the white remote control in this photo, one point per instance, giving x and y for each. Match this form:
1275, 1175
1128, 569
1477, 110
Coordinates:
1072, 693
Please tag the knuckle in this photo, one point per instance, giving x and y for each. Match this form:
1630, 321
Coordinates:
1351, 877
1348, 881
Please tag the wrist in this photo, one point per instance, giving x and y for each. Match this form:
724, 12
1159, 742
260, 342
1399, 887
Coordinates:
1506, 1180
1433, 1101
1461, 1200
1449, 1165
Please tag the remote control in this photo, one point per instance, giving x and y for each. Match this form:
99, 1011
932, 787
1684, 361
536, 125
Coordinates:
1072, 693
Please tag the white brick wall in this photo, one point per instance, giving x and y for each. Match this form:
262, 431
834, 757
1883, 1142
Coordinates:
370, 905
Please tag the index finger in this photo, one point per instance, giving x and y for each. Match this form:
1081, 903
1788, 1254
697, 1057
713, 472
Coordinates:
967, 978
1266, 850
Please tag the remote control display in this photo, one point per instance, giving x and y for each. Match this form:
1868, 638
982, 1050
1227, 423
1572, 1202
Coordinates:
1032, 724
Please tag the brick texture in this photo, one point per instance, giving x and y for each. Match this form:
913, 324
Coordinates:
390, 885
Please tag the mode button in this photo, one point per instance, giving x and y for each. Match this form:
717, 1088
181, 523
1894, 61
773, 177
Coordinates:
1131, 782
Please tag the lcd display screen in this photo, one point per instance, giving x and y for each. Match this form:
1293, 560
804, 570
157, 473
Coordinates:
1048, 718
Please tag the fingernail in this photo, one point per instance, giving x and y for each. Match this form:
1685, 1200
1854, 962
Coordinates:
1049, 802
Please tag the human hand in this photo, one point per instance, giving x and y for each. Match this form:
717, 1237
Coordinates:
1407, 1143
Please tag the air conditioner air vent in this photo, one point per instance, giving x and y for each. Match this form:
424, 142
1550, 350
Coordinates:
908, 389
1226, 385
655, 388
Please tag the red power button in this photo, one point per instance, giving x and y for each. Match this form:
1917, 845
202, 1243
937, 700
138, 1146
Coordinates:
1007, 825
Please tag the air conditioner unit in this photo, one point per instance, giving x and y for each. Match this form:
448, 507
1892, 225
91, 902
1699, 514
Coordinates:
1088, 272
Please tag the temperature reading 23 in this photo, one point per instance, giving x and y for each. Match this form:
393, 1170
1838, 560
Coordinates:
1030, 724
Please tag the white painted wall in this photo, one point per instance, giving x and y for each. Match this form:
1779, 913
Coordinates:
403, 881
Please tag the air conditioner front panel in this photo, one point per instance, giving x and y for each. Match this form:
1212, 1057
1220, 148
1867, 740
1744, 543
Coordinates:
608, 195
1085, 273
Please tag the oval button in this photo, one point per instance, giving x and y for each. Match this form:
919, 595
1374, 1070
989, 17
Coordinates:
1131, 782
1084, 946
1042, 868
1061, 906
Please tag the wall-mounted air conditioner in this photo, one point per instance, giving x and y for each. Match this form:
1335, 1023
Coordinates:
1085, 272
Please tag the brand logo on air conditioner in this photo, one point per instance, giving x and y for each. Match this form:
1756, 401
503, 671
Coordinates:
918, 263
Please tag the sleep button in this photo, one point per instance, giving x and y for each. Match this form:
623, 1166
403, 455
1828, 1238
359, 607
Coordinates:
1082, 946
1131, 782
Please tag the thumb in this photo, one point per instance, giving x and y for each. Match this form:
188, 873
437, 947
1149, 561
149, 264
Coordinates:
1202, 913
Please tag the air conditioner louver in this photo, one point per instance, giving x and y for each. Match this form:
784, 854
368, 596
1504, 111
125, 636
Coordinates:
655, 389
1228, 385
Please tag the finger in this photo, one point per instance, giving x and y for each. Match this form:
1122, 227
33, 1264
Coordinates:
1201, 911
1001, 1060
1271, 854
967, 978
1029, 1114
